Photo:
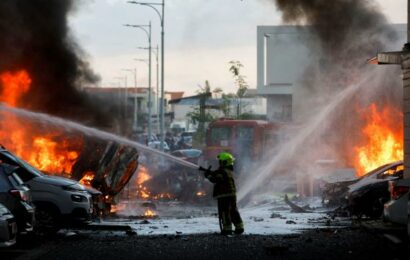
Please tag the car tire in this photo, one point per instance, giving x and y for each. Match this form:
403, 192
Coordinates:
47, 221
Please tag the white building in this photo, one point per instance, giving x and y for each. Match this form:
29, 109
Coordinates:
282, 57
283, 53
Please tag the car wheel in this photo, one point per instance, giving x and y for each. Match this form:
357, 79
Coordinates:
46, 221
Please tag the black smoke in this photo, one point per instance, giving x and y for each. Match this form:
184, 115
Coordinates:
346, 33
349, 32
35, 36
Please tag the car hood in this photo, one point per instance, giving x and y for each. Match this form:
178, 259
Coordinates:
365, 182
92, 191
53, 180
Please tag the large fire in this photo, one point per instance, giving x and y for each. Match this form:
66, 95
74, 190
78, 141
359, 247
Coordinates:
14, 85
49, 149
149, 213
384, 134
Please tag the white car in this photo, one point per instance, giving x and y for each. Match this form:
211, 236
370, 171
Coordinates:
8, 227
59, 201
396, 210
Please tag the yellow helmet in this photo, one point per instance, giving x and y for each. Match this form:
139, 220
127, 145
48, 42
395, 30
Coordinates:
226, 158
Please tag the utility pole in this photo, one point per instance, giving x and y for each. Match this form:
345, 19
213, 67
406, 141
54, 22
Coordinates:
148, 32
162, 18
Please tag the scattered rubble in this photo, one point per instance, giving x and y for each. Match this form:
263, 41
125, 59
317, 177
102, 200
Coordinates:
275, 215
295, 208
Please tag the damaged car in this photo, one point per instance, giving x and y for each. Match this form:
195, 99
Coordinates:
335, 192
368, 195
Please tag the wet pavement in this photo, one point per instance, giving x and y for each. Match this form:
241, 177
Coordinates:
272, 231
355, 242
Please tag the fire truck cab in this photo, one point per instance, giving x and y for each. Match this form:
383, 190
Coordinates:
247, 140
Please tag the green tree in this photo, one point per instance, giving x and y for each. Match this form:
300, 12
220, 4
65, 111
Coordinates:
235, 68
200, 115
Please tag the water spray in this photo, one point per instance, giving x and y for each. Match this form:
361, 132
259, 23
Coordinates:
89, 131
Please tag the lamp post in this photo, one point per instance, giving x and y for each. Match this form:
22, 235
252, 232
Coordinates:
161, 17
148, 32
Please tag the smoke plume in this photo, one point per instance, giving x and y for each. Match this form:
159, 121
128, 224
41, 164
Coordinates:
348, 33
36, 38
343, 35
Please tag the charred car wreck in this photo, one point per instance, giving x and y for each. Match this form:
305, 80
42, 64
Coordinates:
366, 195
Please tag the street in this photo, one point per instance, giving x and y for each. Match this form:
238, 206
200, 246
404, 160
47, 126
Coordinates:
178, 231
356, 242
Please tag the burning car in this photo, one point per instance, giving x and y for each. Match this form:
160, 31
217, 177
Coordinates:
335, 192
368, 195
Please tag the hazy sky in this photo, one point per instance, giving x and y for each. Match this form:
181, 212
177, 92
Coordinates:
201, 37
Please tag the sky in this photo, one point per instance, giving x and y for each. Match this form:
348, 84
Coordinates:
201, 37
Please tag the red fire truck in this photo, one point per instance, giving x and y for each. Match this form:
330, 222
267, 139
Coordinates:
247, 140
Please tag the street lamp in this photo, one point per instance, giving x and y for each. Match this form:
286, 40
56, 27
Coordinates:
161, 17
148, 32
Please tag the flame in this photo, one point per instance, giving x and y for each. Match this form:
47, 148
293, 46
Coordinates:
149, 213
49, 150
14, 86
142, 175
162, 196
384, 135
117, 207
45, 156
87, 178
200, 194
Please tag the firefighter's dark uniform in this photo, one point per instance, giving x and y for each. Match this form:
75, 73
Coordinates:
225, 193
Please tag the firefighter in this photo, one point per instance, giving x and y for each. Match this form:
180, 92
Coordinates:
225, 193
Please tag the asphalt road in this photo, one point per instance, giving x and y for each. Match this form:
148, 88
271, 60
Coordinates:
357, 242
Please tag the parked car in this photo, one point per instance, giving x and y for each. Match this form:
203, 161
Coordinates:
190, 155
16, 197
185, 140
59, 201
335, 193
157, 145
396, 210
8, 227
369, 194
